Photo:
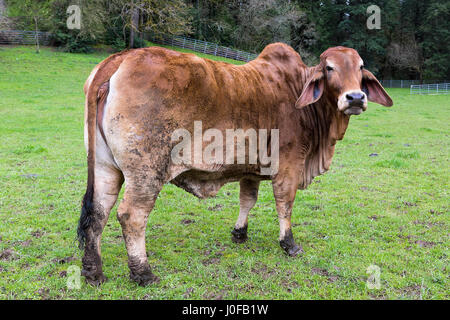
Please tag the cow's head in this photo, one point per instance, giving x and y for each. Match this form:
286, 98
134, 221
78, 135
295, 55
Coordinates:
341, 76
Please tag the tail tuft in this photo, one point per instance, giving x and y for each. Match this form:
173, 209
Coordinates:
87, 212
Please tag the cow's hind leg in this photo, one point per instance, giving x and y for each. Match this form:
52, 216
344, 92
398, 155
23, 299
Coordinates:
97, 205
247, 198
139, 198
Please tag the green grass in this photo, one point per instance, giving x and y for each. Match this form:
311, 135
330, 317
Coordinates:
384, 202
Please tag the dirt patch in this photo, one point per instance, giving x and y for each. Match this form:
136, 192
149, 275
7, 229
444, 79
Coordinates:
435, 212
37, 233
425, 244
218, 250
64, 260
43, 293
333, 278
427, 224
214, 295
302, 224
63, 274
314, 207
323, 272
412, 291
262, 270
188, 292
187, 221
26, 243
8, 255
420, 243
289, 285
408, 237
410, 204
217, 207
378, 296
209, 261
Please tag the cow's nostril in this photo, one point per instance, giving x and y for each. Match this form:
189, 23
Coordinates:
355, 96
359, 96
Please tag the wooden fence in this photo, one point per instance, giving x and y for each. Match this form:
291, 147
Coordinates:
201, 46
24, 37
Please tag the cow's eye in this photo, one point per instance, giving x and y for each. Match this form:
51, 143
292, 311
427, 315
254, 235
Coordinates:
329, 68
362, 67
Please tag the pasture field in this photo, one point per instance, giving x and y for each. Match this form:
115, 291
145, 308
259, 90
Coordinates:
384, 203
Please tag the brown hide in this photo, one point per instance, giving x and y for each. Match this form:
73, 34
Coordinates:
175, 89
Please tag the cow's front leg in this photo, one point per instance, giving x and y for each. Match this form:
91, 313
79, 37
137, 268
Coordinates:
247, 198
284, 189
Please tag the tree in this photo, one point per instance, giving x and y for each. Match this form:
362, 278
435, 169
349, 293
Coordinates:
35, 12
159, 16
435, 32
94, 17
407, 55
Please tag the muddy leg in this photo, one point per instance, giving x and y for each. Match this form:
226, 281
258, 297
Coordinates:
108, 182
284, 192
247, 197
133, 214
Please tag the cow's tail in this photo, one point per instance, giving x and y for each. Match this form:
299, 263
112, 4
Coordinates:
103, 73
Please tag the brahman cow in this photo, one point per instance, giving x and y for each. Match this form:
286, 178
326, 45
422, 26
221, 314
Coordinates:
137, 99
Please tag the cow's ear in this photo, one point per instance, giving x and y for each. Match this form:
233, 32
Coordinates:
312, 91
374, 90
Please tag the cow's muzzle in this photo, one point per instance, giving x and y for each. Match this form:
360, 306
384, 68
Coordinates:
353, 102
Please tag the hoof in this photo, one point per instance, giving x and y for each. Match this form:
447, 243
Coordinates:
94, 277
289, 246
294, 251
144, 279
239, 235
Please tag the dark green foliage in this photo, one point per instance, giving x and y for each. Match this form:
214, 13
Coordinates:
413, 42
68, 40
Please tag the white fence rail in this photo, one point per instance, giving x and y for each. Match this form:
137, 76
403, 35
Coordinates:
436, 88
201, 46
24, 37
408, 83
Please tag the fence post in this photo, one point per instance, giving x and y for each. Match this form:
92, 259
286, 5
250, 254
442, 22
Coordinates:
215, 51
204, 49
184, 41
195, 43
226, 53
